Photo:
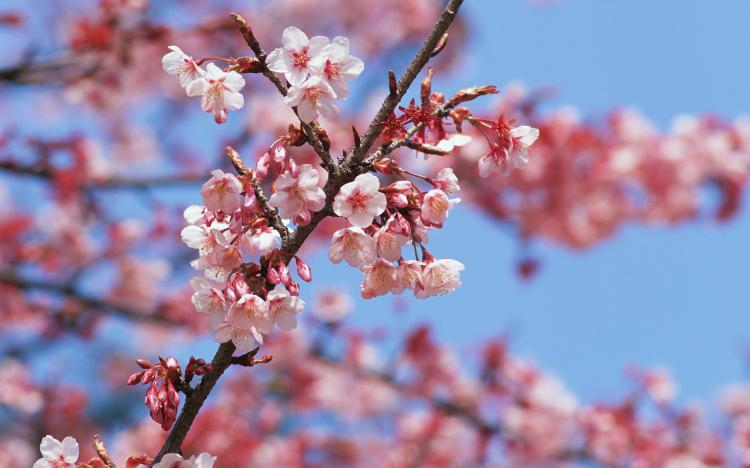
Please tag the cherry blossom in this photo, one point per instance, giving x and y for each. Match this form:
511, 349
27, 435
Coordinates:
312, 97
250, 312
336, 66
435, 207
179, 63
447, 181
223, 191
56, 454
208, 297
220, 91
379, 279
440, 277
360, 201
298, 195
175, 460
332, 305
512, 151
283, 308
390, 238
353, 246
295, 58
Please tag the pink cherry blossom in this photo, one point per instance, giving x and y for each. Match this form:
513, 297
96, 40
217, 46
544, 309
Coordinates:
312, 97
447, 181
353, 246
56, 454
220, 92
182, 65
243, 340
389, 239
297, 195
261, 241
360, 201
379, 279
250, 312
223, 191
283, 308
207, 298
435, 207
337, 67
294, 59
510, 154
440, 277
408, 276
175, 460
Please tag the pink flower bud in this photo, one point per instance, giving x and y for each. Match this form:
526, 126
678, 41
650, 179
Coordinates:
293, 168
273, 276
284, 273
261, 169
303, 270
293, 288
302, 218
399, 200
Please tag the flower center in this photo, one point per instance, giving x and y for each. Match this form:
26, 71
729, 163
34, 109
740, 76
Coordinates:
358, 200
300, 58
332, 70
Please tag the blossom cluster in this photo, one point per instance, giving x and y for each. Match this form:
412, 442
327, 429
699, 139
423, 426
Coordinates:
385, 220
227, 231
318, 70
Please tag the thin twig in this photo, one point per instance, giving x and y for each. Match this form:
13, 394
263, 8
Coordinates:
417, 64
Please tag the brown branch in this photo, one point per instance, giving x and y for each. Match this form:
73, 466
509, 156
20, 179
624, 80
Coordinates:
89, 302
102, 453
110, 183
193, 402
291, 245
417, 64
270, 213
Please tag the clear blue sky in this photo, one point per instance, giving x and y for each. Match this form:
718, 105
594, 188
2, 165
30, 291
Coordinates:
650, 296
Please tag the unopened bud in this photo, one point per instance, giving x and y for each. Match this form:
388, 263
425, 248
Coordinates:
303, 270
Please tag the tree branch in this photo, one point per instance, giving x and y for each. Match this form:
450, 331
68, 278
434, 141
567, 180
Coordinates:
417, 64
223, 357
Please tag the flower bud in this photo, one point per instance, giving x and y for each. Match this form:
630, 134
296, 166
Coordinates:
303, 270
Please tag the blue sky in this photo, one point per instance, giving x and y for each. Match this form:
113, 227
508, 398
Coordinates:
676, 297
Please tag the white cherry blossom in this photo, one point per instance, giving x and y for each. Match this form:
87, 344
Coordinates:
336, 66
56, 454
295, 56
312, 97
183, 66
220, 91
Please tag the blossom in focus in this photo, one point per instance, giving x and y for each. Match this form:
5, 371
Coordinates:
336, 66
175, 460
250, 312
296, 195
512, 152
223, 191
56, 454
435, 207
312, 97
389, 239
207, 297
283, 308
379, 279
408, 276
220, 91
440, 277
294, 58
447, 181
182, 65
352, 245
360, 201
